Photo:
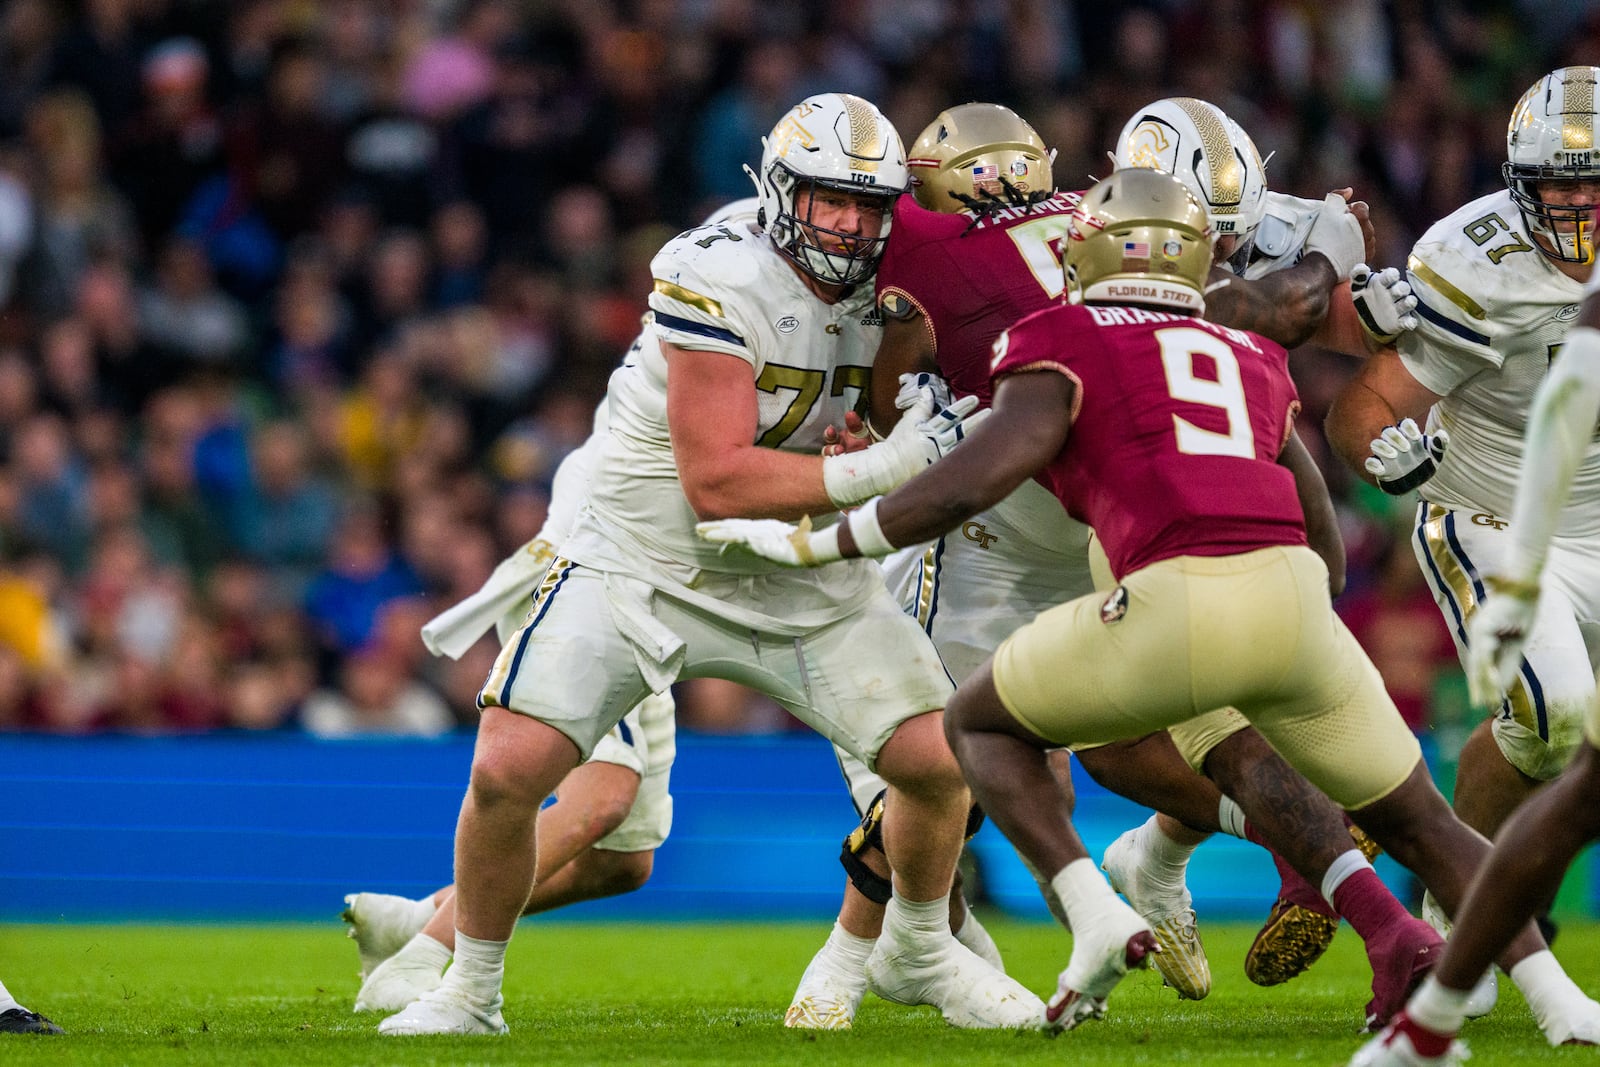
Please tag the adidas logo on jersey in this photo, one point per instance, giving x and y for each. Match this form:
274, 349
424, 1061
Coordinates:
874, 318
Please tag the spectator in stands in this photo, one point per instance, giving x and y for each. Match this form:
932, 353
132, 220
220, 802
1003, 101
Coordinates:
186, 316
375, 696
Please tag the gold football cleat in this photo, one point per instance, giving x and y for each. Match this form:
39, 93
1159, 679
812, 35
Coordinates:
1295, 936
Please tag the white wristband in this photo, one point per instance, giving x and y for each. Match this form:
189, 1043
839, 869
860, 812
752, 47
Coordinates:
868, 535
816, 547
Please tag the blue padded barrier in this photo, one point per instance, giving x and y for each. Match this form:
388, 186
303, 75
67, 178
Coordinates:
279, 827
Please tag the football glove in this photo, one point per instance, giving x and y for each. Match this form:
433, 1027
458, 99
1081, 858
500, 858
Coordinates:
1496, 637
1384, 302
1337, 235
1403, 457
781, 542
925, 432
912, 385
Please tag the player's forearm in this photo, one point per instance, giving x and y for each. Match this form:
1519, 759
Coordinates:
1358, 415
1287, 306
755, 483
1341, 329
1561, 424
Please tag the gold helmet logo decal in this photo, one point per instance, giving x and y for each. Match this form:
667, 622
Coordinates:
1146, 144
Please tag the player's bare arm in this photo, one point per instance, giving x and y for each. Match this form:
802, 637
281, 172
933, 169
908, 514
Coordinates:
1032, 415
1322, 524
907, 348
1382, 393
1287, 306
712, 415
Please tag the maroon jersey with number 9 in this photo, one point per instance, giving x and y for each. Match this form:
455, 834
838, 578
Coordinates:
972, 281
1176, 431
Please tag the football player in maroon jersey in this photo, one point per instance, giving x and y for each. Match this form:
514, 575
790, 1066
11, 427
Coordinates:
1165, 433
974, 250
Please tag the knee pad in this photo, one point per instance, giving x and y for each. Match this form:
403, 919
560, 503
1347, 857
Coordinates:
864, 838
868, 836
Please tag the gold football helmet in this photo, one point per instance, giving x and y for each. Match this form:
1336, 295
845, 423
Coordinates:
1139, 237
967, 150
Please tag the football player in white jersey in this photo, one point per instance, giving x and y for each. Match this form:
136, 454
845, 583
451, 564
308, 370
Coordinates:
1498, 284
1541, 838
613, 811
759, 340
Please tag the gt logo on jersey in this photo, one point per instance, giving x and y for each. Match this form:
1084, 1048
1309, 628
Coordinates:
977, 531
1480, 519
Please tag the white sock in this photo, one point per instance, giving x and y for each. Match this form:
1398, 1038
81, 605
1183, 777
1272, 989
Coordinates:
1439, 1008
424, 952
1546, 987
846, 949
1166, 859
922, 919
1083, 891
1343, 866
480, 967
7, 1001
1231, 816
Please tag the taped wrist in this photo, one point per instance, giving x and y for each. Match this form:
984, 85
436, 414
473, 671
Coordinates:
863, 839
866, 531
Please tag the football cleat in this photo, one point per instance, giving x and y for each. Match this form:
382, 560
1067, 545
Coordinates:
1404, 1043
380, 924
1399, 963
446, 1011
23, 1021
827, 997
1575, 1023
1301, 924
968, 992
1487, 991
396, 982
1170, 913
1099, 961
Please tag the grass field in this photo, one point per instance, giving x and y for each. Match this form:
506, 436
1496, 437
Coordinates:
680, 993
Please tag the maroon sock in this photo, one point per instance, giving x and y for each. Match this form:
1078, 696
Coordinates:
1366, 903
1425, 1041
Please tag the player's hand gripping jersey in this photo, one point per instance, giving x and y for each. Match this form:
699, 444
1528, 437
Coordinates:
1493, 311
1174, 444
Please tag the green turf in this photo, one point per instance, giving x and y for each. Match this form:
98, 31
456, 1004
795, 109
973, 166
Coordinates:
679, 993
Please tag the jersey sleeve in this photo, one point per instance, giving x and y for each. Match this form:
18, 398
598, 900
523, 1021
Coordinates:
1038, 342
1454, 338
695, 302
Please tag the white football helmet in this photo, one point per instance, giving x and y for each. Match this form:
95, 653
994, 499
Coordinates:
831, 141
1552, 139
1211, 154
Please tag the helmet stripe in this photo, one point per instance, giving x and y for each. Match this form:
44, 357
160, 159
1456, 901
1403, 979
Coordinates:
866, 139
1577, 107
1227, 175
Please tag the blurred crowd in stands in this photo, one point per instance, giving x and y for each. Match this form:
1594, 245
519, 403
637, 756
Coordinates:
303, 300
